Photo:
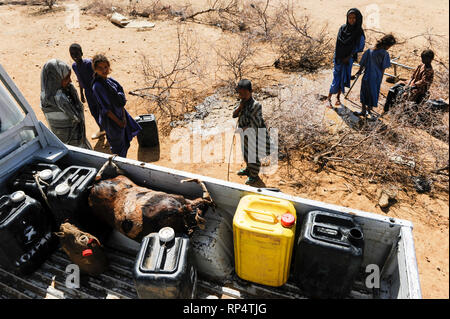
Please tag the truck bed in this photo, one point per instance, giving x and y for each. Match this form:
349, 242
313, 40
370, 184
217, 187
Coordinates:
388, 245
48, 282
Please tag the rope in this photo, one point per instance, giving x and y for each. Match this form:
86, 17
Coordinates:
38, 183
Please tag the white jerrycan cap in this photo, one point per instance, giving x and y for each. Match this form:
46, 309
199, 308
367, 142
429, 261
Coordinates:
46, 174
17, 197
62, 189
166, 234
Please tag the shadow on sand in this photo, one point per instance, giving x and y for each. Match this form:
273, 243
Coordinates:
357, 122
102, 145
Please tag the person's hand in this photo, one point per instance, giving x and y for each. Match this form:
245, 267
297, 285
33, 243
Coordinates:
346, 60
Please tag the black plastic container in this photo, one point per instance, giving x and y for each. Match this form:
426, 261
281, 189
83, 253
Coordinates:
68, 199
26, 239
329, 254
164, 267
148, 136
24, 179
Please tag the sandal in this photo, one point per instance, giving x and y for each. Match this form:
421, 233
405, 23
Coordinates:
243, 172
329, 104
98, 134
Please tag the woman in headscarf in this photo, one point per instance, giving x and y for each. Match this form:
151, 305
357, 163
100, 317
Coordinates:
61, 105
350, 40
119, 126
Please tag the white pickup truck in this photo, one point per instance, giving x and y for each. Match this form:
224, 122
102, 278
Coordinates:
388, 242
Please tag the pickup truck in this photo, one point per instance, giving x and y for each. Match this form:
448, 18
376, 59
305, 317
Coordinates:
23, 139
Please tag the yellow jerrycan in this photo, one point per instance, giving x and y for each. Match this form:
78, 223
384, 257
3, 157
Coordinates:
263, 233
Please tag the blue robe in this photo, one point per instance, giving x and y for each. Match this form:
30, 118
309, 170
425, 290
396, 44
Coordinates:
113, 99
374, 63
85, 75
342, 72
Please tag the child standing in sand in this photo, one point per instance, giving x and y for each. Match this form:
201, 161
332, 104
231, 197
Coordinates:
374, 62
250, 120
85, 74
119, 126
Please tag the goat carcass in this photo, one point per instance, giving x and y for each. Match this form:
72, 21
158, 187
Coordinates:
138, 211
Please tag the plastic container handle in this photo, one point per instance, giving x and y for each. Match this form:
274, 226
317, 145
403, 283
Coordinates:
251, 212
160, 257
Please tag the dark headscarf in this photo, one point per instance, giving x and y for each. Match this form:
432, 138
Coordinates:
349, 35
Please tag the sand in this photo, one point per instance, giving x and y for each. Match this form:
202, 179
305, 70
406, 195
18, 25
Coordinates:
27, 41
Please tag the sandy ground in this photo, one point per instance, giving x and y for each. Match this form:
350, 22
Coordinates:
28, 41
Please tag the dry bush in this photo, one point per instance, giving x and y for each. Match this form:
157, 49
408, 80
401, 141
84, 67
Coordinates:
258, 17
104, 7
390, 151
299, 49
155, 9
235, 61
170, 87
261, 19
49, 3
300, 118
221, 13
440, 86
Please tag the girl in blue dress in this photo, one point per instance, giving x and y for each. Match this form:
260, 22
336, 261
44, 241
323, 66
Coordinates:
350, 41
374, 62
119, 126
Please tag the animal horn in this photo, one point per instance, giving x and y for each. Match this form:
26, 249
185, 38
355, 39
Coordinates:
206, 196
109, 162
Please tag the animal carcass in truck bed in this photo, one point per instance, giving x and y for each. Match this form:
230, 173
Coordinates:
138, 211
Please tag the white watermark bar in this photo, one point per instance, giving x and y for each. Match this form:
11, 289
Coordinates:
72, 16
372, 16
225, 145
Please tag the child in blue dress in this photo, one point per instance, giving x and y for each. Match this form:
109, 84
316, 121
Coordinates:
85, 74
119, 126
374, 62
350, 41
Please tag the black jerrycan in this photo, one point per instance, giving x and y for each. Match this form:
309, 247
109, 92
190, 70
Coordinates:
148, 136
26, 239
164, 267
328, 255
24, 179
68, 199
34, 179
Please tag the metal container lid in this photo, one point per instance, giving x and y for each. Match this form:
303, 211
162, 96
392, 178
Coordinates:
166, 234
18, 197
46, 174
62, 189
